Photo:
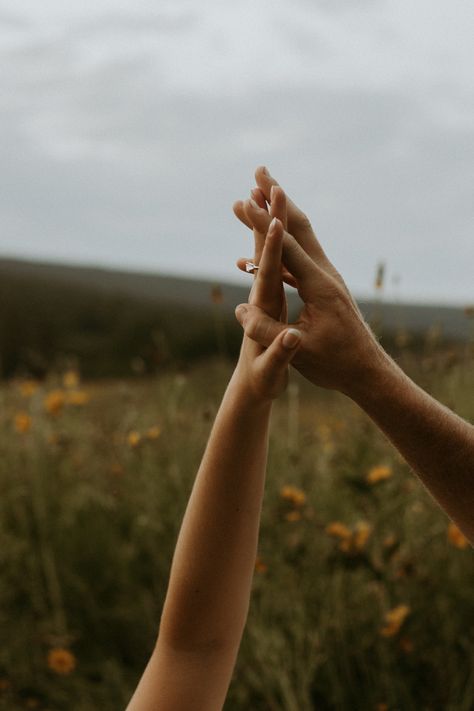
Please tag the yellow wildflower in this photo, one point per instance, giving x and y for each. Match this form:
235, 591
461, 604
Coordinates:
71, 379
4, 684
338, 530
294, 495
394, 619
22, 422
28, 388
153, 432
293, 516
456, 538
134, 439
381, 707
351, 541
260, 566
361, 535
61, 661
379, 473
54, 402
77, 397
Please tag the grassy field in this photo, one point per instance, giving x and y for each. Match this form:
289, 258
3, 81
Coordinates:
363, 591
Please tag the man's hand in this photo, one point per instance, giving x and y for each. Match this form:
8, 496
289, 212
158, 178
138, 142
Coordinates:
338, 350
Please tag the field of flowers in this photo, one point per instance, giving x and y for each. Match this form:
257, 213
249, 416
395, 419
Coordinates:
363, 590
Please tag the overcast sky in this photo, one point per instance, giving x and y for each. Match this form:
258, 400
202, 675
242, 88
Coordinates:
128, 129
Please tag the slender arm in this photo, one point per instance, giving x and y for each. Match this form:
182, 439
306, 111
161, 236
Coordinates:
436, 443
211, 575
208, 596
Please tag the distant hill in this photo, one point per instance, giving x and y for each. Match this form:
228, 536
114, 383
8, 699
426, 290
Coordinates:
111, 322
195, 293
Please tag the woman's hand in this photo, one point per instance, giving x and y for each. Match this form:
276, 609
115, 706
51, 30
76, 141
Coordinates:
264, 371
277, 207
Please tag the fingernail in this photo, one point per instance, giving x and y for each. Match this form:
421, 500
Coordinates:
240, 311
291, 338
265, 171
272, 193
254, 204
273, 226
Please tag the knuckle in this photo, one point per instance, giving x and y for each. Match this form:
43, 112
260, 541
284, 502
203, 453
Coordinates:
251, 326
261, 330
256, 328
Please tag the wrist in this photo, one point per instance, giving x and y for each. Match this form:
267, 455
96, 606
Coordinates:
374, 377
242, 389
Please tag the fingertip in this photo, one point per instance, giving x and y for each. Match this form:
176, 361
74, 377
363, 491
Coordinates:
273, 226
279, 195
240, 312
239, 212
238, 209
252, 204
291, 338
275, 231
259, 197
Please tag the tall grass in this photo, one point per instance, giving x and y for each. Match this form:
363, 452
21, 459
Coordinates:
93, 490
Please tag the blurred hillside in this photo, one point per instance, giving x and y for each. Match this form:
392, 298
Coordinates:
114, 322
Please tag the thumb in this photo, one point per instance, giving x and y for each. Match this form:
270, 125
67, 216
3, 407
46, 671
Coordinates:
275, 360
273, 363
258, 325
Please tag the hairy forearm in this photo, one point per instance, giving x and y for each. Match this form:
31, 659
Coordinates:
211, 575
436, 443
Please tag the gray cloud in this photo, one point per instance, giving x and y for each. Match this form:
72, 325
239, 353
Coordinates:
336, 8
9, 20
156, 22
112, 163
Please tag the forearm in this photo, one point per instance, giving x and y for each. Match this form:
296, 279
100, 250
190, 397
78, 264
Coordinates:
211, 575
436, 443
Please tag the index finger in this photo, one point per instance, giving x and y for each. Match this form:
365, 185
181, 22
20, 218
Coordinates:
267, 289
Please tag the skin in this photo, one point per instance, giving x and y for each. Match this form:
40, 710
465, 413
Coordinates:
207, 601
339, 351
